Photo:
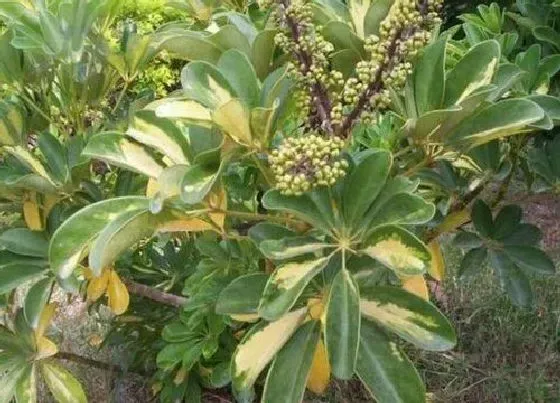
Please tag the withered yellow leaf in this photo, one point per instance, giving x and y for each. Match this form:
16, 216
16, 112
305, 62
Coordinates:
98, 285
45, 320
437, 267
45, 348
320, 372
32, 214
117, 294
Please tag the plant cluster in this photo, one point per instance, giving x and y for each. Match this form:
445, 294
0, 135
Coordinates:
271, 224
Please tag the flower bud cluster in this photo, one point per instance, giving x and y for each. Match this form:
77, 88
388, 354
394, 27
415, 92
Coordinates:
405, 31
301, 164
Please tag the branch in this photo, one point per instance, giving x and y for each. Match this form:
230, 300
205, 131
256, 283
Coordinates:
154, 294
66, 356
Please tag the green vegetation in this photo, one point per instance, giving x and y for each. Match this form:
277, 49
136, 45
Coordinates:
259, 192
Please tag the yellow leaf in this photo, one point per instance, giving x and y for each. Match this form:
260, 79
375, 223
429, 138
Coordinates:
117, 293
316, 308
98, 285
49, 202
249, 318
218, 200
45, 320
45, 348
320, 373
32, 214
192, 225
95, 340
152, 187
180, 376
416, 285
453, 221
437, 268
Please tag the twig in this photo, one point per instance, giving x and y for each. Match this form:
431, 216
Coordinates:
66, 356
155, 294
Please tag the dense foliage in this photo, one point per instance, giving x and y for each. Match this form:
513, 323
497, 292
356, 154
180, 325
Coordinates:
272, 221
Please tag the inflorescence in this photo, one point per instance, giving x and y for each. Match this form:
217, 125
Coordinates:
331, 104
301, 164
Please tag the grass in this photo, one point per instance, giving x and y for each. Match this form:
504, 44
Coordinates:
504, 354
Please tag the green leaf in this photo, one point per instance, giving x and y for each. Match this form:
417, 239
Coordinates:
286, 285
262, 52
123, 232
268, 231
26, 388
116, 149
530, 259
55, 154
504, 118
410, 317
473, 71
550, 104
288, 373
11, 124
35, 300
287, 248
547, 34
62, 384
467, 240
239, 72
375, 15
301, 206
190, 45
473, 262
482, 218
242, 295
403, 209
385, 370
161, 134
524, 234
204, 83
398, 249
512, 279
429, 78
72, 239
13, 275
342, 37
342, 325
363, 185
358, 10
506, 221
260, 346
23, 241
197, 182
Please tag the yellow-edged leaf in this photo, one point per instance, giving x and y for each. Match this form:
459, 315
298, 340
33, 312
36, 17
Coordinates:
437, 268
233, 118
98, 285
117, 294
416, 285
255, 352
320, 373
32, 213
45, 320
45, 348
